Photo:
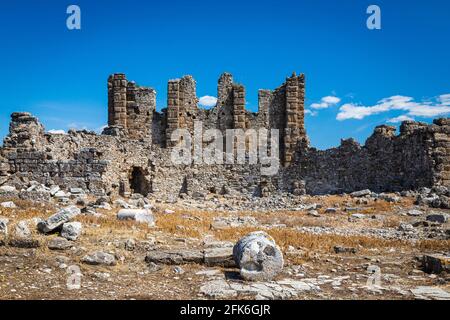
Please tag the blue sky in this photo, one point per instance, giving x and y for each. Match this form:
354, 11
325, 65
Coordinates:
356, 78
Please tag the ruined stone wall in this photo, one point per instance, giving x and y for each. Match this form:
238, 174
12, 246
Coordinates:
417, 157
133, 155
130, 107
141, 104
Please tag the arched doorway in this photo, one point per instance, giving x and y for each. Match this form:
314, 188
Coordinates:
138, 182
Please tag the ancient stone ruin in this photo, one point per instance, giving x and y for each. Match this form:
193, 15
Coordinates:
132, 155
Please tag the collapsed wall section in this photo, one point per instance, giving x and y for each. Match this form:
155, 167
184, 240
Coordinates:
417, 157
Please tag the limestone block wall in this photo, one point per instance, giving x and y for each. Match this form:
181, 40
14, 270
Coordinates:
415, 158
130, 107
134, 155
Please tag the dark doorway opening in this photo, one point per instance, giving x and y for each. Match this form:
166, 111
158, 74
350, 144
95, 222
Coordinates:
139, 183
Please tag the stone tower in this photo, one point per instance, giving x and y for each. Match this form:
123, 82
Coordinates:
294, 131
130, 107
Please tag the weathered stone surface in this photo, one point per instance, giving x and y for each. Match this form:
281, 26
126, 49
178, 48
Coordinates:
437, 217
7, 189
436, 263
133, 154
284, 289
361, 193
22, 230
313, 213
258, 257
4, 226
430, 293
175, 257
139, 215
358, 216
59, 243
24, 243
218, 289
71, 230
121, 204
232, 222
58, 219
406, 227
99, 258
130, 244
53, 190
8, 204
339, 249
219, 257
415, 213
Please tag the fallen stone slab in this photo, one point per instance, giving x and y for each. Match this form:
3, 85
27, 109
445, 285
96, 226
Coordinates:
7, 189
208, 273
405, 227
175, 257
284, 289
121, 203
58, 219
8, 205
258, 257
361, 193
358, 216
436, 263
219, 257
99, 258
71, 230
436, 217
138, 215
389, 198
59, 243
425, 292
76, 191
60, 194
313, 213
414, 213
339, 249
24, 243
218, 289
53, 190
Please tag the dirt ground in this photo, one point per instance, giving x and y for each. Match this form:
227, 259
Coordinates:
307, 241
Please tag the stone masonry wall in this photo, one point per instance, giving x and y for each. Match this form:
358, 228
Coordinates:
133, 153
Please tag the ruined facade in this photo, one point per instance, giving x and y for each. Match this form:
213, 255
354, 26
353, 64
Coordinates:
132, 155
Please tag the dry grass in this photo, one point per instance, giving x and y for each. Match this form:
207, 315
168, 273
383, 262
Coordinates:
197, 224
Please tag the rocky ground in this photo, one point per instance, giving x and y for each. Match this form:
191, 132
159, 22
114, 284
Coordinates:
359, 246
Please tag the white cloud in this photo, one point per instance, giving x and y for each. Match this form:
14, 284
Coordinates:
326, 102
445, 99
311, 113
208, 101
53, 131
331, 100
400, 119
424, 109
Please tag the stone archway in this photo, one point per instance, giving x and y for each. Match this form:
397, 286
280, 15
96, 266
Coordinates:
138, 182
